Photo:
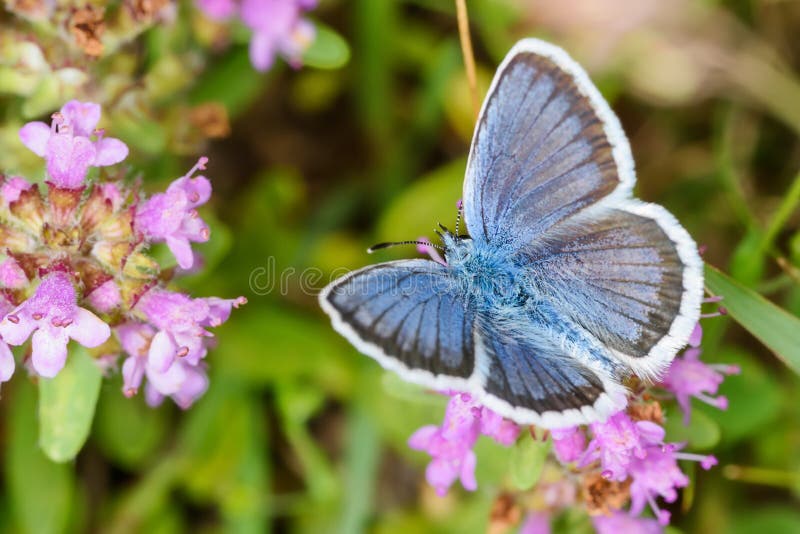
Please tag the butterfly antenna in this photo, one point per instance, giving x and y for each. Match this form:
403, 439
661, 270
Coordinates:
388, 244
460, 207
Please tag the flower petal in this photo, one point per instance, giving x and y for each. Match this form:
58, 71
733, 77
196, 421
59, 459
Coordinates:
161, 353
16, 333
132, 374
182, 251
421, 439
109, 151
7, 364
82, 117
152, 396
262, 51
193, 387
49, 349
68, 159
168, 382
88, 329
34, 135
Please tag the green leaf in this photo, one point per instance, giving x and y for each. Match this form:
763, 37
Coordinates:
767, 519
527, 461
40, 492
773, 326
328, 50
66, 405
127, 430
754, 401
701, 433
217, 84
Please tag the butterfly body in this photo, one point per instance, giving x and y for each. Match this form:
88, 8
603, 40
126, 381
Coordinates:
566, 284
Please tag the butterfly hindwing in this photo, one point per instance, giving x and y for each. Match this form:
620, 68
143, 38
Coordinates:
409, 316
625, 279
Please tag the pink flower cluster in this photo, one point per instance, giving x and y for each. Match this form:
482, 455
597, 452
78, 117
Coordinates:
277, 25
76, 267
451, 444
627, 452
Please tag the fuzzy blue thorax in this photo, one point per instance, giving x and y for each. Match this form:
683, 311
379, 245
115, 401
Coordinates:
485, 272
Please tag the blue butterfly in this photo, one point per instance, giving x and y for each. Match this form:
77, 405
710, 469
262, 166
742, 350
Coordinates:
566, 284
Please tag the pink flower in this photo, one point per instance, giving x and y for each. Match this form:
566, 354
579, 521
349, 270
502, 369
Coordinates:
53, 317
218, 9
688, 377
11, 189
11, 275
181, 323
450, 445
67, 147
536, 523
105, 297
171, 216
182, 381
7, 364
277, 25
656, 474
568, 443
619, 440
623, 523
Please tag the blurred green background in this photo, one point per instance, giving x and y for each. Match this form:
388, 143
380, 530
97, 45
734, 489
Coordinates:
300, 433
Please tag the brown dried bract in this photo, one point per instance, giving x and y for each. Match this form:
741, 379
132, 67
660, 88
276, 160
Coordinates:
143, 10
603, 496
505, 514
647, 411
211, 119
87, 27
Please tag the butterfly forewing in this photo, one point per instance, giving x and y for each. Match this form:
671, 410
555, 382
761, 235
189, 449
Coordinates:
546, 146
410, 317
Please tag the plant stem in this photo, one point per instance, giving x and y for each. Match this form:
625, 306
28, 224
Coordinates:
469, 57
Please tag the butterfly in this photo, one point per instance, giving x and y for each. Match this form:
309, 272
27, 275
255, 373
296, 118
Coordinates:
565, 284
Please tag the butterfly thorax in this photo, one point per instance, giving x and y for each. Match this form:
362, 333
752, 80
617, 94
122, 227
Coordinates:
485, 273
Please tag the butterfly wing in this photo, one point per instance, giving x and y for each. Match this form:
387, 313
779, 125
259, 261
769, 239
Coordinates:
545, 370
550, 173
631, 277
546, 146
415, 319
410, 317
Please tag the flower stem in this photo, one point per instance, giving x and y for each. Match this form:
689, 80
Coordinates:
760, 475
466, 50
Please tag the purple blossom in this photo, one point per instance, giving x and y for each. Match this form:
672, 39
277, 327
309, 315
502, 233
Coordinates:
66, 144
7, 364
624, 523
568, 443
11, 189
182, 381
536, 523
172, 216
277, 25
218, 9
451, 444
105, 297
618, 441
169, 350
688, 377
53, 317
426, 247
11, 275
656, 474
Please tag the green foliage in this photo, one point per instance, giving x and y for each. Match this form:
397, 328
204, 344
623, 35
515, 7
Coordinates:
526, 461
66, 406
776, 328
368, 142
